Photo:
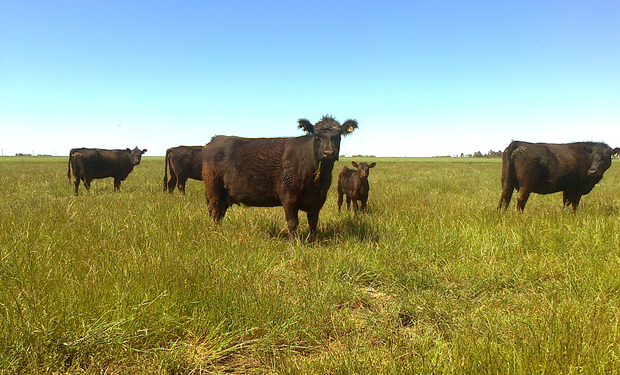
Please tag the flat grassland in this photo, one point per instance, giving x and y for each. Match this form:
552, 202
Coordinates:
432, 279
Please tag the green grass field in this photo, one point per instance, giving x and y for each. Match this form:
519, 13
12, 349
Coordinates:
431, 280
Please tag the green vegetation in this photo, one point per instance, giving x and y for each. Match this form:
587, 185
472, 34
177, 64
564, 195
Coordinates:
431, 280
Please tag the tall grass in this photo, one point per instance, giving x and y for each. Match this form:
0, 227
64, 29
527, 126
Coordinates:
432, 279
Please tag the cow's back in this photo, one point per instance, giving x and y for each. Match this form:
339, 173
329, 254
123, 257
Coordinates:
248, 169
187, 161
89, 161
550, 168
99, 163
345, 180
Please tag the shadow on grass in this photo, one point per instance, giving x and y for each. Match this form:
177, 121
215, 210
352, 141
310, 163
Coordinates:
348, 227
341, 229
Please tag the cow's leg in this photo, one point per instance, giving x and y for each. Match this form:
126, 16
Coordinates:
340, 194
504, 201
355, 206
216, 199
571, 198
524, 194
217, 210
576, 201
181, 185
76, 184
217, 207
87, 184
313, 222
363, 204
172, 182
348, 202
292, 219
566, 198
117, 184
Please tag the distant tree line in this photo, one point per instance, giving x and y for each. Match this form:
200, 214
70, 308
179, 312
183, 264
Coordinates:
478, 154
20, 154
489, 154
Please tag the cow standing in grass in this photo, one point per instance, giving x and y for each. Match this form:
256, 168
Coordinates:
291, 172
92, 163
183, 162
545, 168
354, 184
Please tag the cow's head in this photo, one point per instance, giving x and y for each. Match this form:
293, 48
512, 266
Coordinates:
600, 154
327, 133
363, 168
136, 155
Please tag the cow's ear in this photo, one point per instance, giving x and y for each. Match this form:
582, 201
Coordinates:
129, 150
615, 151
372, 165
305, 125
354, 164
143, 151
348, 126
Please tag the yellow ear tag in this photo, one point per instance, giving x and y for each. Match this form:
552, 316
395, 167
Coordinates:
350, 129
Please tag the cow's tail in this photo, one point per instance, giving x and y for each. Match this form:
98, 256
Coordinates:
73, 164
78, 167
166, 171
508, 165
69, 168
509, 177
506, 162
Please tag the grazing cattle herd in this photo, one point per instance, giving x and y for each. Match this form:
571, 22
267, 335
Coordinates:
296, 172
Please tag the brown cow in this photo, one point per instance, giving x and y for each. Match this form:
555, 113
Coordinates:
183, 162
92, 163
545, 168
291, 172
354, 184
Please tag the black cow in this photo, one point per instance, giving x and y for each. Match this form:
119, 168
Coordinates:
545, 168
183, 162
92, 163
291, 172
354, 184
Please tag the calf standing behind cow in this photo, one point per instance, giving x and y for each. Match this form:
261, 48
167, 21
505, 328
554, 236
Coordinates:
265, 172
354, 184
92, 163
183, 162
546, 168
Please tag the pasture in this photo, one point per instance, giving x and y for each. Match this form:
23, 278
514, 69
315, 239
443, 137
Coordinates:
432, 279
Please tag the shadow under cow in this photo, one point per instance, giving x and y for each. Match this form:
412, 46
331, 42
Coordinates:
341, 229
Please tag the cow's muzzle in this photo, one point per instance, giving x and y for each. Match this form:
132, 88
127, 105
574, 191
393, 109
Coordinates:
329, 155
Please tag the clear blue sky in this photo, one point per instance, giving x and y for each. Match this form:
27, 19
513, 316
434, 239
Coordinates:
423, 78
